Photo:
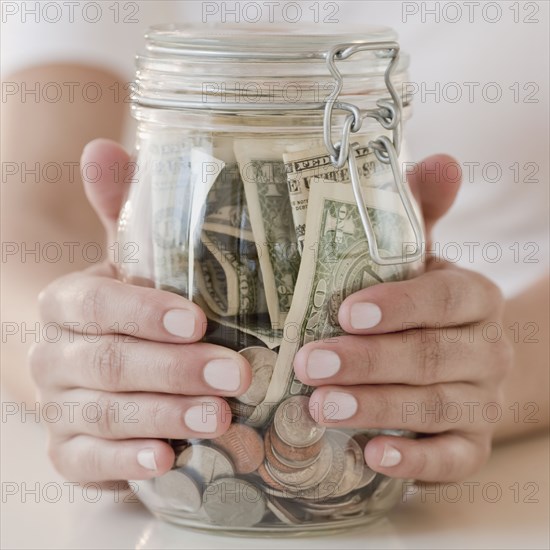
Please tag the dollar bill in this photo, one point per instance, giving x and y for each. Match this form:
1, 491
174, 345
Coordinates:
305, 164
226, 208
227, 270
227, 275
335, 263
181, 176
263, 173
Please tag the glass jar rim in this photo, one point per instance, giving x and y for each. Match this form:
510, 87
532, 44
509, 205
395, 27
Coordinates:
278, 43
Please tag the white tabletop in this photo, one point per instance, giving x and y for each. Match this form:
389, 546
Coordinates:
40, 511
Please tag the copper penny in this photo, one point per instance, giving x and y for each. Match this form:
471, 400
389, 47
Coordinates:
271, 456
244, 446
280, 462
268, 479
291, 453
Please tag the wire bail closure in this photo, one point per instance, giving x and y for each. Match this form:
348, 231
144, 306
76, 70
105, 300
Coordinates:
388, 114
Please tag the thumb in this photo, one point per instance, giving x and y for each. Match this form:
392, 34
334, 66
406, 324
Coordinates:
435, 182
106, 172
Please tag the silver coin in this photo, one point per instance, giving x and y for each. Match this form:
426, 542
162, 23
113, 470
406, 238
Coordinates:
330, 485
282, 512
234, 502
262, 361
349, 509
305, 478
354, 462
367, 478
205, 464
331, 505
294, 425
179, 490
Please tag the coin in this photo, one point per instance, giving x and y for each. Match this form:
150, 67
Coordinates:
367, 478
271, 456
282, 512
368, 475
268, 479
294, 425
279, 462
179, 490
292, 453
331, 505
234, 502
331, 482
205, 464
244, 446
354, 462
304, 478
262, 360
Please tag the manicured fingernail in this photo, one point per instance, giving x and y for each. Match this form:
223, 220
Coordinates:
339, 406
365, 315
146, 458
201, 419
391, 457
223, 374
322, 363
179, 322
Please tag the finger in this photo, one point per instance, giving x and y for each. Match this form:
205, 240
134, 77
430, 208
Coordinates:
87, 459
128, 415
423, 409
435, 182
84, 302
438, 298
118, 366
411, 357
445, 457
106, 172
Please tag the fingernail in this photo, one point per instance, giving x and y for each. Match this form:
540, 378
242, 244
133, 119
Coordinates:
339, 406
146, 458
223, 374
322, 363
200, 419
391, 457
179, 322
365, 315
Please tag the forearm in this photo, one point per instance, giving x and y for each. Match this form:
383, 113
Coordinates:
56, 212
526, 403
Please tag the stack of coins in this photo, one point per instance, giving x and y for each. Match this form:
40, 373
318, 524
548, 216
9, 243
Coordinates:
291, 471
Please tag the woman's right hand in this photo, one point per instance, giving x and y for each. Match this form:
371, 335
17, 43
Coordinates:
145, 377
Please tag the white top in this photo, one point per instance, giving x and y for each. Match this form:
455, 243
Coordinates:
479, 78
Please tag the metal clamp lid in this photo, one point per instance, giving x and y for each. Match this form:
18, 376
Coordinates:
388, 114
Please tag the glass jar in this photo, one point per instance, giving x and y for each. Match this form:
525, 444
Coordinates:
268, 189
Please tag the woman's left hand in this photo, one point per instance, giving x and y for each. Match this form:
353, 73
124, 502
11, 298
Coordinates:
423, 355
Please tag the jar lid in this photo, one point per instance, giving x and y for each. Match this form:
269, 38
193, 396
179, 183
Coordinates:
259, 43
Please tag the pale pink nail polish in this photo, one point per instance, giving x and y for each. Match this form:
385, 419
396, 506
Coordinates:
339, 406
365, 315
179, 322
223, 374
322, 363
391, 457
146, 459
201, 419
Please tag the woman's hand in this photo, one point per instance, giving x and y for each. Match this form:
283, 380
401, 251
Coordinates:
144, 378
417, 358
